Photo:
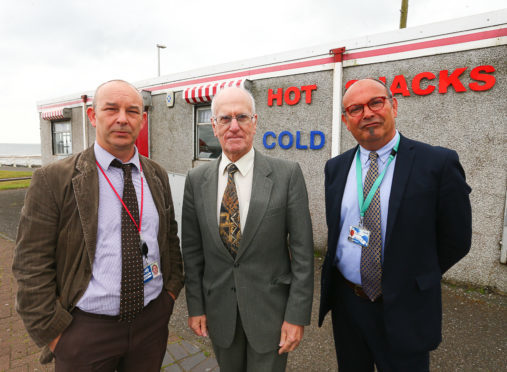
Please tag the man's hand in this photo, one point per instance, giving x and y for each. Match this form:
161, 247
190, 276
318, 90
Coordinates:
52, 344
172, 296
291, 337
198, 325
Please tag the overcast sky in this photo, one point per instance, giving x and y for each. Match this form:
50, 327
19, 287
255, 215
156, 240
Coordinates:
51, 48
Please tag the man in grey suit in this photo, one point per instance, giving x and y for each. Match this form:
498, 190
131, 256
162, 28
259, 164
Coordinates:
78, 250
247, 246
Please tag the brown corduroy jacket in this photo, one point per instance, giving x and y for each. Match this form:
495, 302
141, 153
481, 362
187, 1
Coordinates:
57, 237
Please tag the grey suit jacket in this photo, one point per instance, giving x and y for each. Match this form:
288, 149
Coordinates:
57, 238
271, 279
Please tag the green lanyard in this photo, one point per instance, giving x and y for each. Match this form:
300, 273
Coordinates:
364, 204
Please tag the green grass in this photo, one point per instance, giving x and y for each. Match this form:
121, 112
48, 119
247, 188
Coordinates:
8, 185
15, 174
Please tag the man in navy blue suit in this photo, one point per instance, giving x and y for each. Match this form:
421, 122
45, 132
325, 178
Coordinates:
398, 215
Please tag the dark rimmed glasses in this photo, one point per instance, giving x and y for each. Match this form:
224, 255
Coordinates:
226, 120
374, 104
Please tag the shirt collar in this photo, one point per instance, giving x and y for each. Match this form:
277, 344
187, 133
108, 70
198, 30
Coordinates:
383, 152
105, 158
244, 164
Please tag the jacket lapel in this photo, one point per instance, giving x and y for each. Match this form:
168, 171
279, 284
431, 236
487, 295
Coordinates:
209, 190
404, 161
156, 190
86, 191
335, 195
259, 200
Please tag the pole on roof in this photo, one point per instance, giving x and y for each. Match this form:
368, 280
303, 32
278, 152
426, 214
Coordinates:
404, 13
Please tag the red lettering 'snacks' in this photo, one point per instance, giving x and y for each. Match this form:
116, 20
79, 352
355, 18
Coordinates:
481, 75
489, 80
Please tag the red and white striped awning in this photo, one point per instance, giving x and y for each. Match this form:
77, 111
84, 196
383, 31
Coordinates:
204, 92
55, 114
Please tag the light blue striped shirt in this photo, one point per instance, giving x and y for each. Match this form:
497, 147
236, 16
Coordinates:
103, 293
348, 254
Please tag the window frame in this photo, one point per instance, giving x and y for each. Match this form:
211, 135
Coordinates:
66, 135
196, 126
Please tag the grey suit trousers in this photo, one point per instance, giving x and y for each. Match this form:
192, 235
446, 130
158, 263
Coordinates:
241, 357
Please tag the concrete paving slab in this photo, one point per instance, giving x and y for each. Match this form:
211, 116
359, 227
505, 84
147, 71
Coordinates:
210, 364
189, 347
188, 363
172, 368
177, 351
168, 359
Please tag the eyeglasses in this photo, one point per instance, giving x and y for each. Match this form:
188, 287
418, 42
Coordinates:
374, 104
226, 120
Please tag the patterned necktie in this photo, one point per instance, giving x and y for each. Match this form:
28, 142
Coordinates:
132, 287
371, 264
230, 228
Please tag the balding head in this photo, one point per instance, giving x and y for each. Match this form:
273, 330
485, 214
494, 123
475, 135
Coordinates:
379, 82
232, 90
117, 115
96, 96
369, 113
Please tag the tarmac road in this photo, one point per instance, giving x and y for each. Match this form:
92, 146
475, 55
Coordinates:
474, 323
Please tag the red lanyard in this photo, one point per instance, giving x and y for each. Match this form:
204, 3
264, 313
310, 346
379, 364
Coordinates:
124, 206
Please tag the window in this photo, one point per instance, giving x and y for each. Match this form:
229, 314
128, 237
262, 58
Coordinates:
207, 145
62, 138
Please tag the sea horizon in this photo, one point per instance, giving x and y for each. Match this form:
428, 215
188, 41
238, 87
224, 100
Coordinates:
10, 149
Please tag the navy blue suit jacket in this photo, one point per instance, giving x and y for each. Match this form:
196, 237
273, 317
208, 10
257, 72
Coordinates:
428, 231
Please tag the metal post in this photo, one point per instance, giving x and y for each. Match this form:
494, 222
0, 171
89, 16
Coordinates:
503, 252
404, 13
159, 46
337, 100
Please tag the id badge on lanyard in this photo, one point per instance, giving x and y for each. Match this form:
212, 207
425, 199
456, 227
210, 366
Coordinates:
359, 234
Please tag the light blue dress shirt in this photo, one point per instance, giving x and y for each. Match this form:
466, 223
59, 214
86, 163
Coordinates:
348, 254
103, 293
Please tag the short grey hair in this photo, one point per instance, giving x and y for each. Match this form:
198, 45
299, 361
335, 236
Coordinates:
252, 100
95, 95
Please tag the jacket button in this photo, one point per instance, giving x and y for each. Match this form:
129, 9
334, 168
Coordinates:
236, 264
233, 289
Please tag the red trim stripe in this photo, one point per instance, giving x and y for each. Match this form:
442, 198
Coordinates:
320, 61
64, 104
244, 73
428, 44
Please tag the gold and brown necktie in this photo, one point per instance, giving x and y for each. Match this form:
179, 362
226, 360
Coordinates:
371, 255
132, 286
230, 227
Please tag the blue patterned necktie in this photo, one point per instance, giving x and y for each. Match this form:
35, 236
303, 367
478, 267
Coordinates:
230, 227
371, 256
132, 286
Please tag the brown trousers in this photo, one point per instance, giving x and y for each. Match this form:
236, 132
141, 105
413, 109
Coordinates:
102, 343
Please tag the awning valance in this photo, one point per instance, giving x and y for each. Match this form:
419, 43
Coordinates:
204, 92
56, 114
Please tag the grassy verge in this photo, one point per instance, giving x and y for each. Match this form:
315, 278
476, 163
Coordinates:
8, 185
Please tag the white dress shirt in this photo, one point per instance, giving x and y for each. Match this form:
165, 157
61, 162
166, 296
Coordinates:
243, 180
